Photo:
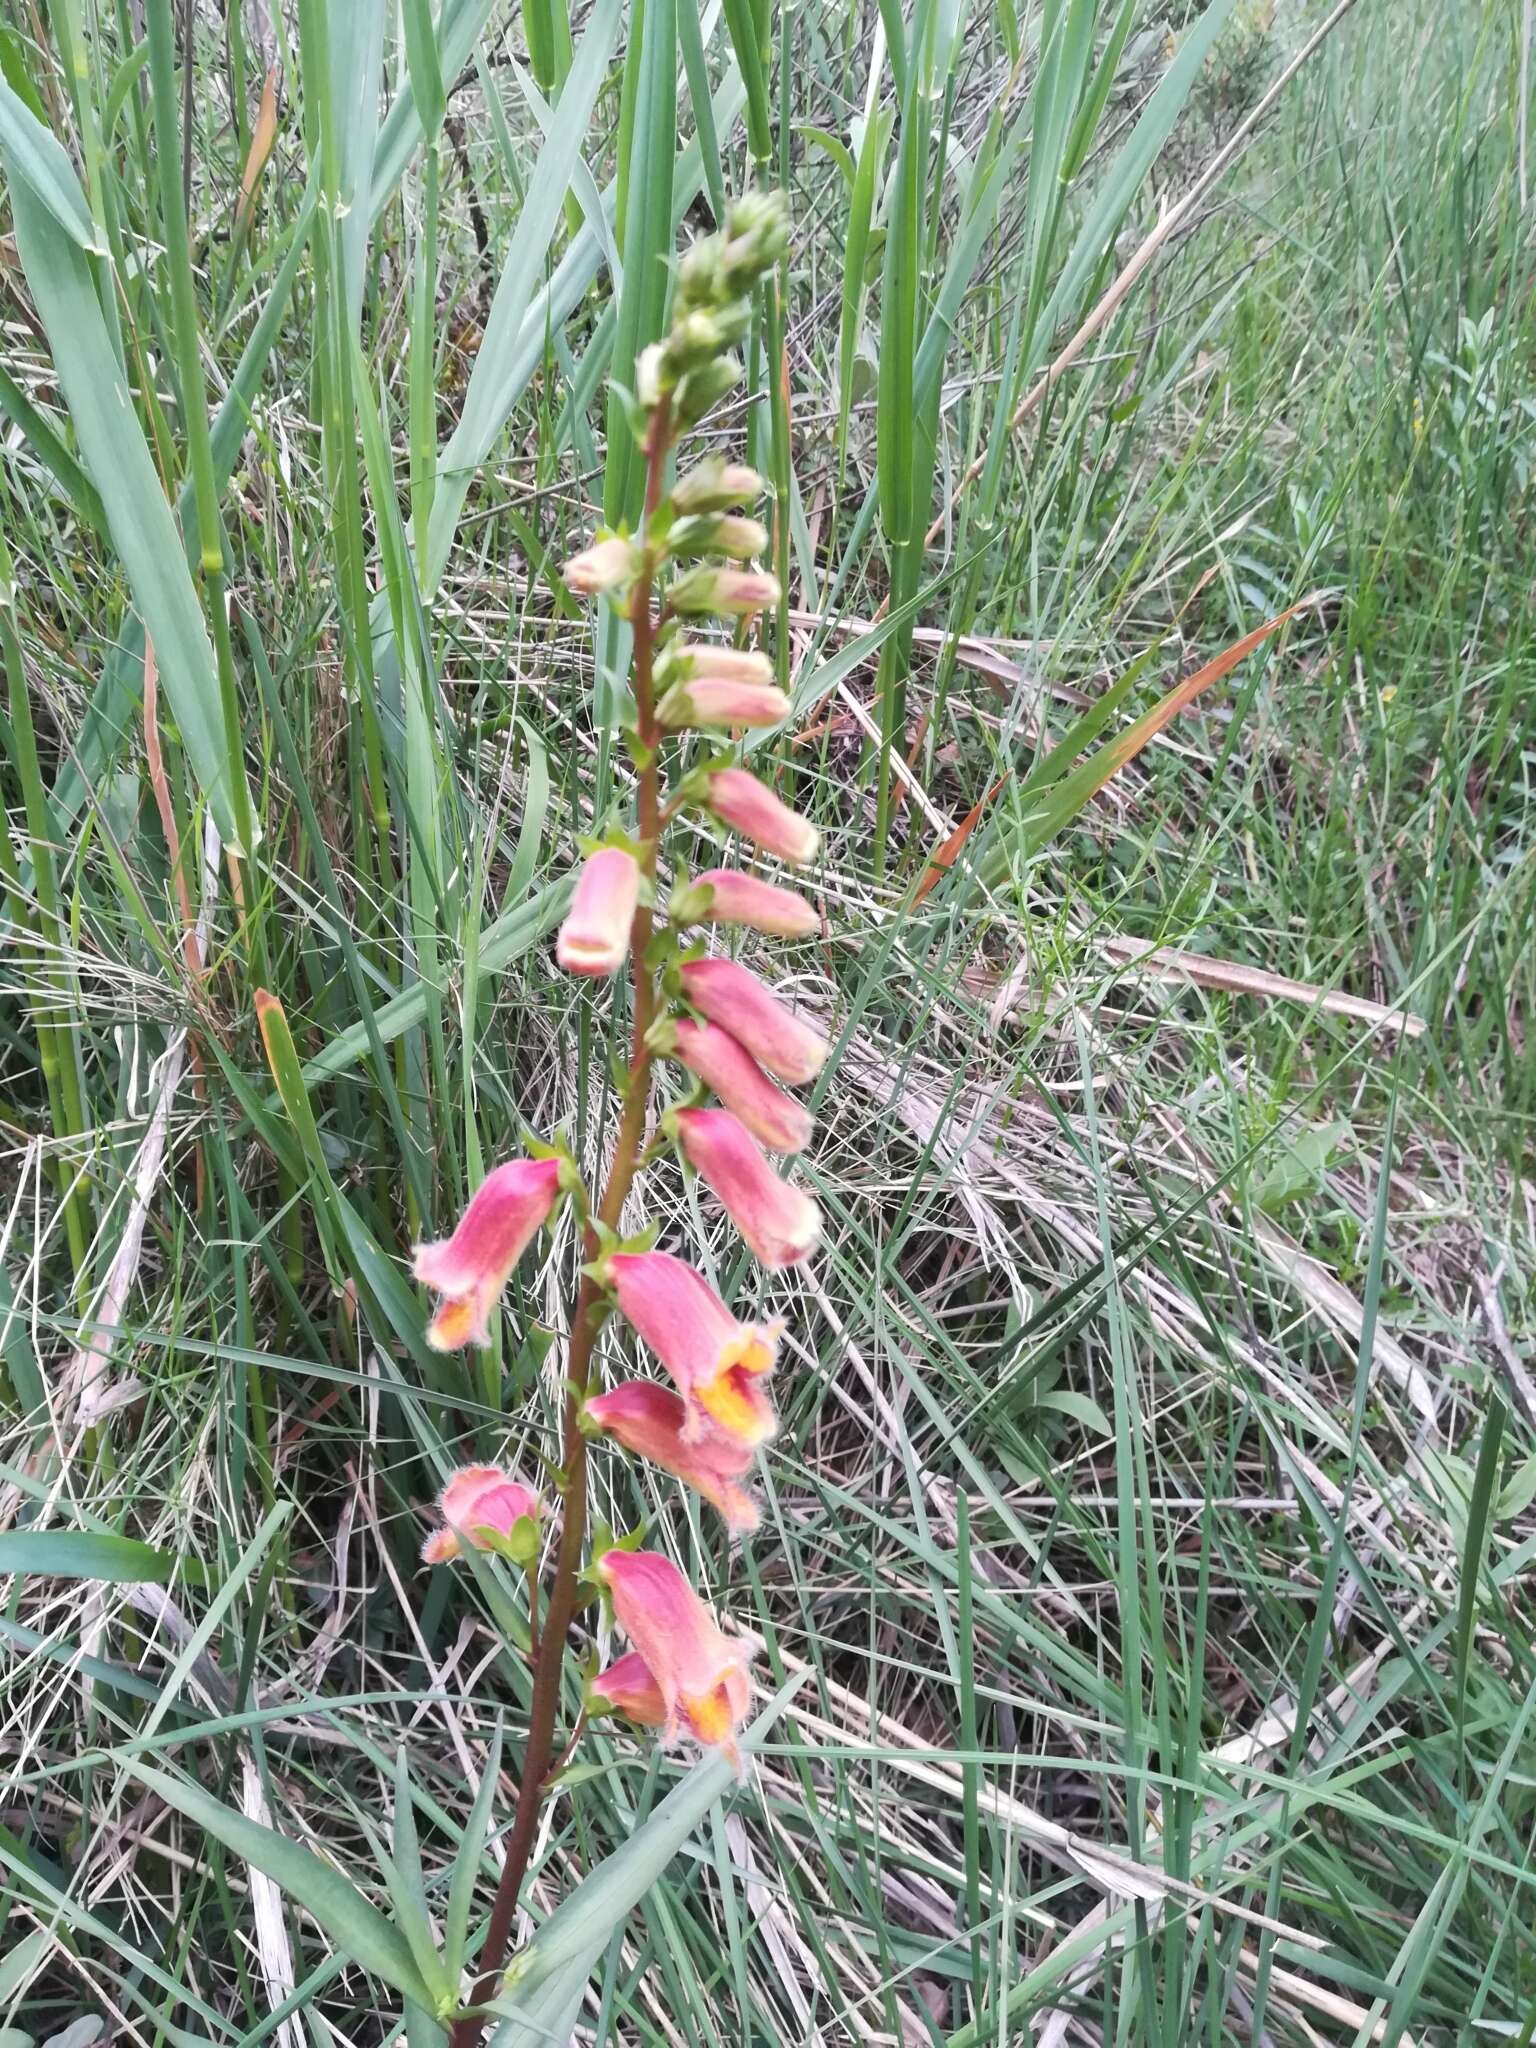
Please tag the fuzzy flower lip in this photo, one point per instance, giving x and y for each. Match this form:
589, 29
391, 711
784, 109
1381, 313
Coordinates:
470, 1269
594, 938
739, 899
729, 995
702, 1676
716, 1363
723, 1064
750, 808
716, 701
781, 1225
478, 1498
650, 1421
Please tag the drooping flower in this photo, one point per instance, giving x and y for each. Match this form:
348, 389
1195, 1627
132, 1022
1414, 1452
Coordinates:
747, 806
716, 1363
713, 700
478, 1498
781, 1224
723, 1064
595, 935
742, 899
470, 1269
626, 1687
605, 565
702, 1676
651, 1421
729, 996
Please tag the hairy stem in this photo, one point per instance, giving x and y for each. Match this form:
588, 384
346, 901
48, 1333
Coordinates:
586, 1317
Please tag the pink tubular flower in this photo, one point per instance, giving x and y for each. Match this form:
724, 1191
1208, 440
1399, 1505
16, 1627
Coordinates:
595, 935
701, 1675
729, 996
477, 1498
626, 1687
722, 1063
714, 700
779, 1223
742, 802
470, 1269
742, 899
715, 1361
652, 1421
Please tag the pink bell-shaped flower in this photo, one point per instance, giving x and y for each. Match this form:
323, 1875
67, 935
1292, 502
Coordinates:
702, 1676
651, 1421
478, 1498
715, 1362
470, 1269
781, 1224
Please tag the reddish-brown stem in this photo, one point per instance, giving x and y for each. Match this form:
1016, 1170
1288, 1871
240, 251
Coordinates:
544, 1708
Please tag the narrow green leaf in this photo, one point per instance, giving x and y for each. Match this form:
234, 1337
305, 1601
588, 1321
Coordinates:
35, 158
143, 530
83, 1554
357, 1928
550, 1974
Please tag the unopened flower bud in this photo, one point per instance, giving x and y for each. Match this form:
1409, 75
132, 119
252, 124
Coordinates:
717, 486
651, 377
605, 566
714, 701
738, 537
734, 593
703, 387
685, 658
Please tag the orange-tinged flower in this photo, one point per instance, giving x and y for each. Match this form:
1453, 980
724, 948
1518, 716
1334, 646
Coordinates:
470, 1269
779, 1223
723, 1064
716, 701
737, 1001
702, 1676
478, 1498
742, 899
626, 1687
595, 935
651, 1421
747, 806
715, 1362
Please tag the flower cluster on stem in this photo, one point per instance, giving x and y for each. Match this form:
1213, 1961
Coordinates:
687, 566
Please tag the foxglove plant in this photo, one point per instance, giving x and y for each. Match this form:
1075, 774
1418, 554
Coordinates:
687, 564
